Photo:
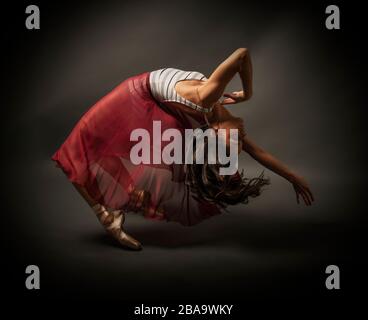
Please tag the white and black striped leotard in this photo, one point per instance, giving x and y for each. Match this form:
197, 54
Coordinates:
162, 83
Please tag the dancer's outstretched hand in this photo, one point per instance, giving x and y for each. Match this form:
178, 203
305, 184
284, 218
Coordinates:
302, 190
234, 97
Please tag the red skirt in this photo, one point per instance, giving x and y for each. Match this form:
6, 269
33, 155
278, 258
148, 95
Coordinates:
96, 155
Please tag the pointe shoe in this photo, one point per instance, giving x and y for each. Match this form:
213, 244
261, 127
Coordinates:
117, 231
113, 222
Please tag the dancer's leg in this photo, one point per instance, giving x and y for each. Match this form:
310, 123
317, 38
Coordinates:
83, 192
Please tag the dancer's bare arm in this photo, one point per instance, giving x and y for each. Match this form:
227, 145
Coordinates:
238, 62
300, 186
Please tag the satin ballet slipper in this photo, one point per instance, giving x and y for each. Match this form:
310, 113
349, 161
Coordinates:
113, 223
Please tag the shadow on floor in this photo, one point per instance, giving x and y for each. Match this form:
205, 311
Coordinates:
240, 231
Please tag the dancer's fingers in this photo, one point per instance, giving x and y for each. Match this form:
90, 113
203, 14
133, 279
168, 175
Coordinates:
228, 101
230, 95
308, 194
306, 198
301, 192
306, 188
303, 196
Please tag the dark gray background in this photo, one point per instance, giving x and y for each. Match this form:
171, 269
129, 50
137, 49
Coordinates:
306, 110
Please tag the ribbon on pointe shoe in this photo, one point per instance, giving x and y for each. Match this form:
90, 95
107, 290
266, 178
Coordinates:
140, 202
103, 215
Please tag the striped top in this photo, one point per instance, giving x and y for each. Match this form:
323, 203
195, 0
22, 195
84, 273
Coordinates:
162, 83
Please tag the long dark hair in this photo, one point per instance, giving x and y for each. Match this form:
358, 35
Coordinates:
223, 190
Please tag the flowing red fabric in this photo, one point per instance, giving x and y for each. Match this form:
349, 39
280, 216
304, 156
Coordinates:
96, 154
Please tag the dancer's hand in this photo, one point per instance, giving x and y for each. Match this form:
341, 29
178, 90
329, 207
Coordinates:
235, 97
302, 189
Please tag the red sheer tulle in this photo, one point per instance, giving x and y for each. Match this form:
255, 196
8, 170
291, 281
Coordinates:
96, 154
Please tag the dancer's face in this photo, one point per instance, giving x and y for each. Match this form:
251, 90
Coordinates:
233, 123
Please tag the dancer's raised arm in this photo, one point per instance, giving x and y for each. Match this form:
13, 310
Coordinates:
213, 89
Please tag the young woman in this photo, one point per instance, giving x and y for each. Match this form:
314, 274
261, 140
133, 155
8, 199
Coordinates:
96, 155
